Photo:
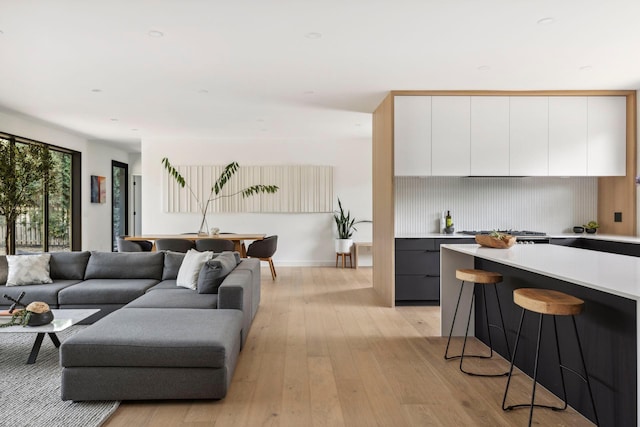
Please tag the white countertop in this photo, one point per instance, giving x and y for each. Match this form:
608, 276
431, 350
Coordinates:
435, 236
611, 273
607, 237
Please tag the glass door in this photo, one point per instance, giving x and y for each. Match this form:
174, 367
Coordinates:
120, 202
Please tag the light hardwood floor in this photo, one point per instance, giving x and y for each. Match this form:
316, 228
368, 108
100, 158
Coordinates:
322, 352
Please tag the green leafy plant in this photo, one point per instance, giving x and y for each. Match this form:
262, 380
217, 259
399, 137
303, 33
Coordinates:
217, 187
591, 224
498, 235
345, 223
24, 174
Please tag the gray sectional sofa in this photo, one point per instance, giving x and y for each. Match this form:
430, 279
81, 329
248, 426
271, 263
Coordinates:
151, 339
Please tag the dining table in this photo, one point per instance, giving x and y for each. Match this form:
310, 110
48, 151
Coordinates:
237, 239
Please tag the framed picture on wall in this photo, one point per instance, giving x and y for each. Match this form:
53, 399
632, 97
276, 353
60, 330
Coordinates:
98, 189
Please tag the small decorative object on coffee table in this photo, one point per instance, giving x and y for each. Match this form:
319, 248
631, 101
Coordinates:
496, 240
35, 314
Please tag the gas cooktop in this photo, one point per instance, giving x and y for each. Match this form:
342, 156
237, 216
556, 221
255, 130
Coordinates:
511, 232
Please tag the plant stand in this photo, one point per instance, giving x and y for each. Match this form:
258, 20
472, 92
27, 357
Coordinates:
344, 255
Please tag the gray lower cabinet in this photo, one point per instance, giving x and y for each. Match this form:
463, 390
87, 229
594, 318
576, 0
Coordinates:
418, 268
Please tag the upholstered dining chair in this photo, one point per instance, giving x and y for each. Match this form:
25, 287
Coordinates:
215, 245
133, 245
264, 249
175, 245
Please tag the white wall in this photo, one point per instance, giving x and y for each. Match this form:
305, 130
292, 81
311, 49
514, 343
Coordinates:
303, 239
96, 160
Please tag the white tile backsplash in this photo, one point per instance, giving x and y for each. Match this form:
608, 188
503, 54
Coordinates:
552, 205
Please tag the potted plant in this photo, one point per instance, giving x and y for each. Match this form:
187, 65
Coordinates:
591, 227
216, 190
346, 226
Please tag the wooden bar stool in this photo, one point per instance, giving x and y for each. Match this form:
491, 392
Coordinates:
478, 277
555, 303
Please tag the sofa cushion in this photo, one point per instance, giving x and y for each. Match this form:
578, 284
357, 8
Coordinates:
28, 269
46, 293
125, 265
165, 284
177, 297
105, 291
155, 337
4, 269
172, 263
68, 265
190, 268
214, 271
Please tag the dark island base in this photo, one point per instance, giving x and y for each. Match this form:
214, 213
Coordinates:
607, 331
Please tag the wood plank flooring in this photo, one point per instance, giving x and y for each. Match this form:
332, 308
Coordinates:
322, 352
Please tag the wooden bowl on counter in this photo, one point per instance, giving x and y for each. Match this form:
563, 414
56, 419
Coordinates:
505, 242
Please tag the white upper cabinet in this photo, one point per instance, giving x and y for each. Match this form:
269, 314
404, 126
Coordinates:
529, 136
451, 135
510, 136
412, 135
568, 135
606, 136
489, 135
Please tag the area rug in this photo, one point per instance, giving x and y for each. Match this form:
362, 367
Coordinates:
30, 394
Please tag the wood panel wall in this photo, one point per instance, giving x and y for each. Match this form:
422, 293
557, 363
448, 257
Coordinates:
618, 193
615, 194
383, 203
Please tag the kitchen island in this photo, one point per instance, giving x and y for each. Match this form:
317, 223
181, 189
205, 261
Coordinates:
610, 286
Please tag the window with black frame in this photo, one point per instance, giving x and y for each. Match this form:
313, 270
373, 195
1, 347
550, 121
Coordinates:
39, 197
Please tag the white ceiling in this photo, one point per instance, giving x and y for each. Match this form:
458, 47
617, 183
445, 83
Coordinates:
249, 69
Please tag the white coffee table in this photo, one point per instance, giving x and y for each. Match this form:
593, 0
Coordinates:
62, 319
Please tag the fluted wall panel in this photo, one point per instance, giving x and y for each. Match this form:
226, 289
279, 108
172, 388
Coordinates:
302, 188
551, 205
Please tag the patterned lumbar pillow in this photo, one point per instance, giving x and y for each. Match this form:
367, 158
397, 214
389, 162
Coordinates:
190, 268
28, 270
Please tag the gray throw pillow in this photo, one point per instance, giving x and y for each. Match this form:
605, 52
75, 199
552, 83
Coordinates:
214, 271
172, 263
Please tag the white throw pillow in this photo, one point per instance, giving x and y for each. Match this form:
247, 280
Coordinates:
28, 269
190, 268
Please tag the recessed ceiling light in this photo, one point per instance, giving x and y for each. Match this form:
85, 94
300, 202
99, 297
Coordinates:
155, 33
134, 129
203, 91
546, 21
586, 68
484, 68
313, 36
114, 120
96, 90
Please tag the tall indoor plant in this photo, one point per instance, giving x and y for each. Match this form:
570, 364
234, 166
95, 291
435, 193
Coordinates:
24, 171
345, 224
216, 189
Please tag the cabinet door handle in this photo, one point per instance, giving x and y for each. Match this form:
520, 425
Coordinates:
431, 275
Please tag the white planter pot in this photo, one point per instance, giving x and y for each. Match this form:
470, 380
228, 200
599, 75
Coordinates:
343, 246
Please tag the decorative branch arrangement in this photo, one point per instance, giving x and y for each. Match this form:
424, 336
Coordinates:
216, 189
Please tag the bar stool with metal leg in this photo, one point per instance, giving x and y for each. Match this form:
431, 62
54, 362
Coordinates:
555, 303
478, 277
